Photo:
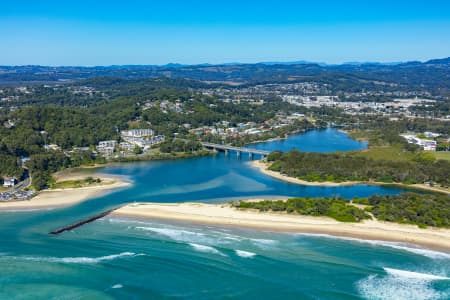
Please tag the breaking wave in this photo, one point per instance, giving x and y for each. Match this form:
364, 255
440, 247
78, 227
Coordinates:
421, 251
175, 234
187, 236
264, 243
400, 284
245, 254
78, 260
400, 246
207, 249
117, 286
413, 275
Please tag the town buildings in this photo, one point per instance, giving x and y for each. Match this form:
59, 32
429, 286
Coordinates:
426, 144
142, 137
106, 148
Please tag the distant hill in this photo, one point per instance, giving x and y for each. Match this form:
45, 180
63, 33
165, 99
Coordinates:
434, 73
443, 61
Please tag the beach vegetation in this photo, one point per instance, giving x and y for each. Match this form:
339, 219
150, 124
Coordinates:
410, 208
76, 183
336, 208
407, 208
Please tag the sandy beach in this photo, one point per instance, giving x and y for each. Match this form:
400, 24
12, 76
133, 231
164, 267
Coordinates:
225, 215
263, 167
63, 197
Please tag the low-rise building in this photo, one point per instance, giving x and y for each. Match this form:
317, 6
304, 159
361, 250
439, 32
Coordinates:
428, 145
110, 143
143, 138
142, 132
126, 146
81, 148
9, 182
106, 148
53, 147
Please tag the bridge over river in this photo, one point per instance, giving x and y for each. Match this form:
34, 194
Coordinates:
238, 150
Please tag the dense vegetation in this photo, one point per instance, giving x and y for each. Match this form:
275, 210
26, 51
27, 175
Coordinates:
413, 208
339, 167
76, 183
80, 114
71, 120
389, 159
178, 145
335, 208
35, 126
42, 165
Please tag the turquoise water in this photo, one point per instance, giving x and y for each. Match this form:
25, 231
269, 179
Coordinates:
118, 258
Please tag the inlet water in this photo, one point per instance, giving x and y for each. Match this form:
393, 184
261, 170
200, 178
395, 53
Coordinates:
117, 258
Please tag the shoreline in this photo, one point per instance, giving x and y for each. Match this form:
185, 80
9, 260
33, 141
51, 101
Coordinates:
349, 133
225, 215
262, 167
55, 198
124, 160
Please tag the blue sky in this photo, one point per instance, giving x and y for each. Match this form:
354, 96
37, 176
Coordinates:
110, 32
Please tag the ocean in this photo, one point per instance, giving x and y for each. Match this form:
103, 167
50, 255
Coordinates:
120, 258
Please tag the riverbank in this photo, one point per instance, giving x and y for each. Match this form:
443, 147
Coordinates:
53, 198
263, 167
161, 156
225, 215
354, 135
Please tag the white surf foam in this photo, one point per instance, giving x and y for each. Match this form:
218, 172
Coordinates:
397, 288
117, 286
231, 238
400, 246
225, 235
78, 260
401, 284
414, 275
188, 236
264, 243
245, 254
421, 251
409, 248
207, 249
174, 234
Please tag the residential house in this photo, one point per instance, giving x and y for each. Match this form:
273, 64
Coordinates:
9, 182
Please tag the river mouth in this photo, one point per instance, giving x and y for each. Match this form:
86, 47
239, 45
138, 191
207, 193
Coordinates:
113, 258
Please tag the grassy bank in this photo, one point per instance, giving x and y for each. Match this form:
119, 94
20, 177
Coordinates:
444, 155
389, 159
78, 183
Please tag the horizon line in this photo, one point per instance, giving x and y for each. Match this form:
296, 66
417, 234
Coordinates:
274, 62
